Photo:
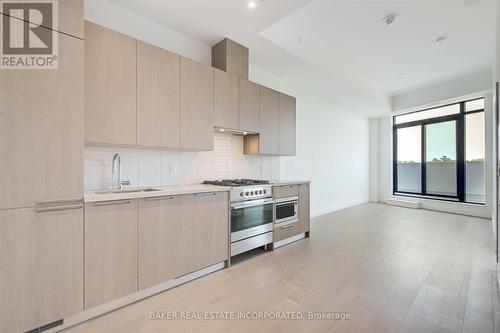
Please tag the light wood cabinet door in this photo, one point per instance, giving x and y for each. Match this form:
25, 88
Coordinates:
304, 208
158, 84
225, 99
205, 220
197, 108
70, 17
248, 116
41, 130
269, 121
41, 267
110, 86
286, 125
161, 241
110, 251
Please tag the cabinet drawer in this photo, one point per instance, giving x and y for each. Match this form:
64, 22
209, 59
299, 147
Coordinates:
285, 191
286, 231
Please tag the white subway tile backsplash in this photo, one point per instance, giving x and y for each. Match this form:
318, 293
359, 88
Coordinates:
148, 167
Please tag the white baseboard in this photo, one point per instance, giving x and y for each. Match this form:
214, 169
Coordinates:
135, 297
335, 208
403, 203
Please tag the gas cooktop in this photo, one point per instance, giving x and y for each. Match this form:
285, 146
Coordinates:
236, 182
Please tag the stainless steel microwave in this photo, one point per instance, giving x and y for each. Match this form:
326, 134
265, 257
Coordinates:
286, 211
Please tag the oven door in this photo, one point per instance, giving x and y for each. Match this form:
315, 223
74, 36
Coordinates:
251, 218
285, 211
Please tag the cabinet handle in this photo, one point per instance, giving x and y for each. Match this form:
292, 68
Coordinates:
46, 209
205, 194
287, 186
159, 198
111, 203
286, 227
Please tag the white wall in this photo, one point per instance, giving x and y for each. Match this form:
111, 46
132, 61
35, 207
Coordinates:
332, 152
421, 99
332, 143
443, 93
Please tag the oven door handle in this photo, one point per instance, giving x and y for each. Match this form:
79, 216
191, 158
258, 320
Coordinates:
252, 203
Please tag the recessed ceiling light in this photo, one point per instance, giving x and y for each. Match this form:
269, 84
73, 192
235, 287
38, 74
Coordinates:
222, 130
245, 133
389, 19
441, 39
252, 4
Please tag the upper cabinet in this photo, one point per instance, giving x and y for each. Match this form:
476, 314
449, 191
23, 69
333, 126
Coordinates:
286, 125
225, 99
158, 87
267, 142
137, 94
41, 130
110, 86
269, 121
197, 108
248, 106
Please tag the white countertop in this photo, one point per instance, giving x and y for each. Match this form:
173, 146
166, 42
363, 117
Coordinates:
288, 182
92, 196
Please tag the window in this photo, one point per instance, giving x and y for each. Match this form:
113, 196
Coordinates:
439, 152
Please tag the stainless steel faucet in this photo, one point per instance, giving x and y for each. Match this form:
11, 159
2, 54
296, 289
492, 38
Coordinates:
116, 168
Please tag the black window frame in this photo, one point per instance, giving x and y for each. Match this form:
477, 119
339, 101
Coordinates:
459, 118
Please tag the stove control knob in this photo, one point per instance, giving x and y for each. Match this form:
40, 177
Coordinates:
251, 192
242, 194
265, 191
246, 193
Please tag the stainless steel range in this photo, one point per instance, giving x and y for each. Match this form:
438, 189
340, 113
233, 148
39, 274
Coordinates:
251, 213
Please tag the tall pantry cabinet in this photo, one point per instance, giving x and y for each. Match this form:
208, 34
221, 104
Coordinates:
41, 217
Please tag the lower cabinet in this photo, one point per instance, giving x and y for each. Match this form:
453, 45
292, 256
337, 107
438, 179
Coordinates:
205, 229
110, 251
160, 242
41, 266
131, 245
304, 210
286, 231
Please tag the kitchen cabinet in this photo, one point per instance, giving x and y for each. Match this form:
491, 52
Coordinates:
269, 121
41, 130
286, 123
286, 231
197, 108
205, 229
285, 191
248, 107
158, 84
225, 99
161, 247
41, 275
304, 209
110, 86
110, 251
267, 141
70, 17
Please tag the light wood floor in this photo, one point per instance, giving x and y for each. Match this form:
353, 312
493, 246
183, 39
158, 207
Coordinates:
393, 269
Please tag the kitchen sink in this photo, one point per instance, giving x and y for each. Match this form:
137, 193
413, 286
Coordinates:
136, 190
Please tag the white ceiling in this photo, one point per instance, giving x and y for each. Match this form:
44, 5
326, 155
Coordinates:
340, 49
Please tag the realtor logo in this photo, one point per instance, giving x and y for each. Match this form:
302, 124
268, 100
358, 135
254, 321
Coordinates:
29, 34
